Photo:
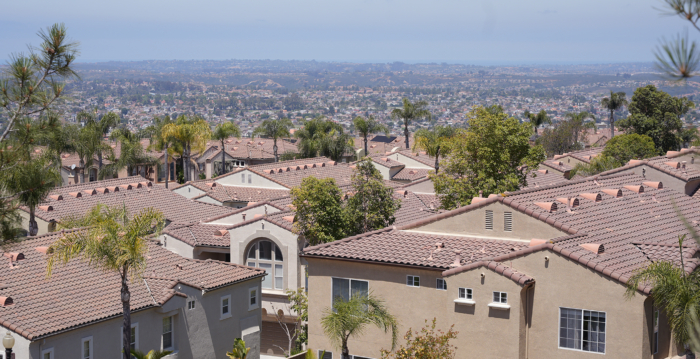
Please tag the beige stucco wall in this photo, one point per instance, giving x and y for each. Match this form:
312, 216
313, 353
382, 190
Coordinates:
473, 223
43, 226
257, 181
207, 199
409, 162
670, 182
483, 330
189, 191
249, 214
423, 187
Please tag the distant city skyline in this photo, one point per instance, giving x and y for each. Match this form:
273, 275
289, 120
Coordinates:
511, 32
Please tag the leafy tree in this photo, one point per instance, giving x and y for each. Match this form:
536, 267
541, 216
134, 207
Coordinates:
160, 142
32, 182
132, 154
153, 354
32, 83
350, 318
367, 126
613, 103
434, 142
191, 136
567, 135
113, 241
372, 205
630, 147
657, 114
221, 133
319, 212
274, 129
429, 343
674, 290
239, 351
493, 155
537, 120
410, 112
597, 165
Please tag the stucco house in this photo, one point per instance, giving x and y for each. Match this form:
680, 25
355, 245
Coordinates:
539, 273
195, 308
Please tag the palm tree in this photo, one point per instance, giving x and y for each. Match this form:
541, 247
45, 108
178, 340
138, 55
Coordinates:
613, 103
349, 318
113, 242
153, 354
365, 126
32, 182
224, 131
312, 135
102, 128
537, 120
274, 129
239, 350
131, 154
85, 144
434, 141
410, 112
159, 142
335, 144
674, 290
579, 120
192, 135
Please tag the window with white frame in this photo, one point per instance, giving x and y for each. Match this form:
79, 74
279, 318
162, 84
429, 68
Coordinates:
226, 306
582, 330
344, 288
655, 338
413, 281
134, 340
465, 293
441, 284
47, 353
168, 333
253, 298
325, 354
86, 348
265, 254
191, 304
500, 297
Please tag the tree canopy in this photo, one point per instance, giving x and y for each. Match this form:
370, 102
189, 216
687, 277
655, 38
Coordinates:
568, 135
372, 204
319, 212
657, 114
493, 155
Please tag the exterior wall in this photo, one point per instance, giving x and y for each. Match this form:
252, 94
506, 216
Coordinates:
43, 226
562, 282
198, 332
472, 223
257, 181
175, 245
482, 330
409, 162
385, 171
670, 182
207, 199
423, 187
189, 191
249, 214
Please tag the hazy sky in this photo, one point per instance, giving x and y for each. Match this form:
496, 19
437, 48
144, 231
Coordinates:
460, 31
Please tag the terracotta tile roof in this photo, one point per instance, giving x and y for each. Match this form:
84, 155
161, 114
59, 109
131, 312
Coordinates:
556, 165
419, 156
77, 294
246, 148
223, 193
540, 179
380, 147
384, 161
582, 155
415, 207
175, 207
669, 164
411, 174
390, 246
289, 176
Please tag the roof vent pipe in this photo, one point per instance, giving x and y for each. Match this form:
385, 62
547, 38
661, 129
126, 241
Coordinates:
458, 259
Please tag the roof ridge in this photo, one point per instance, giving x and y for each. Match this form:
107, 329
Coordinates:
348, 239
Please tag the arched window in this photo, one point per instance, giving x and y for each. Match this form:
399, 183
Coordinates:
266, 255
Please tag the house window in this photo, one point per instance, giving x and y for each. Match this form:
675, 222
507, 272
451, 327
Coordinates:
86, 348
655, 338
93, 175
225, 307
134, 340
167, 333
500, 297
266, 255
413, 281
465, 293
508, 221
344, 289
253, 298
322, 354
489, 220
190, 304
441, 284
582, 330
47, 354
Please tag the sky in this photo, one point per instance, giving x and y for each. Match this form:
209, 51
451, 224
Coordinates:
480, 32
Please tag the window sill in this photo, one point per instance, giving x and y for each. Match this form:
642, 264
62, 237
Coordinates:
499, 306
274, 292
225, 316
253, 308
465, 301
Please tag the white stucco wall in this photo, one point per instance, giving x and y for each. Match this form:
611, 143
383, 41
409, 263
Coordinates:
249, 214
175, 245
256, 181
189, 191
408, 161
207, 199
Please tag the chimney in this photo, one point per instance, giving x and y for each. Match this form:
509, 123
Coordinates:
458, 259
243, 215
683, 164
